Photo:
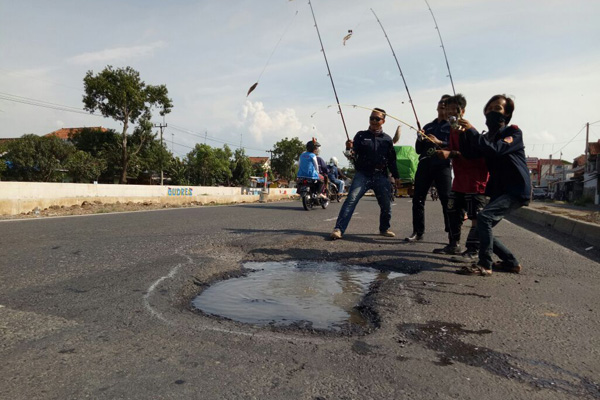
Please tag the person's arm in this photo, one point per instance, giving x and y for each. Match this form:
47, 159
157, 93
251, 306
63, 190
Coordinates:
391, 162
510, 144
315, 163
467, 141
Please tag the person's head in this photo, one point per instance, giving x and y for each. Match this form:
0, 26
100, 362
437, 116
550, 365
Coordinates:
377, 119
441, 106
500, 103
333, 161
498, 112
313, 146
455, 106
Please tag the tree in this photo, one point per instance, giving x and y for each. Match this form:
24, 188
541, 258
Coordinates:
37, 159
285, 154
208, 166
83, 167
241, 168
104, 147
178, 171
121, 94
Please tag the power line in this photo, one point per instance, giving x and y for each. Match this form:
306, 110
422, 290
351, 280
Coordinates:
577, 134
44, 104
206, 137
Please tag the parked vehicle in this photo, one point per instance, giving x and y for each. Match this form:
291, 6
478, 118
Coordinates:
539, 193
407, 160
307, 189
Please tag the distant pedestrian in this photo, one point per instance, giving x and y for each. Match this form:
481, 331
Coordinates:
509, 186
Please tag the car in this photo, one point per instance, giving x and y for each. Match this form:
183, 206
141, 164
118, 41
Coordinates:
539, 193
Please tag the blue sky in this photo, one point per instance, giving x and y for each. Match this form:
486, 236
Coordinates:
208, 53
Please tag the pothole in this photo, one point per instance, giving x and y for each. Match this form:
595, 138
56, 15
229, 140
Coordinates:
299, 294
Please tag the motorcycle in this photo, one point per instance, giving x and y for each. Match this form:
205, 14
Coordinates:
333, 192
307, 189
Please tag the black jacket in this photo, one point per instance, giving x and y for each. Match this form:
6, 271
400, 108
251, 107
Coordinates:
504, 154
441, 130
374, 153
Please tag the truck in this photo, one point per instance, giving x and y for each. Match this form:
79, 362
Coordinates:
407, 161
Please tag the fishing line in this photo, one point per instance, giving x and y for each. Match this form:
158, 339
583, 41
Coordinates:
400, 69
328, 70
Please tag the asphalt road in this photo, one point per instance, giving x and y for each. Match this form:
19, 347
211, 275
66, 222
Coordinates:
98, 307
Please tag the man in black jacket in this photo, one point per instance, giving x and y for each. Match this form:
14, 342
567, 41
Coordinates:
431, 170
373, 156
509, 186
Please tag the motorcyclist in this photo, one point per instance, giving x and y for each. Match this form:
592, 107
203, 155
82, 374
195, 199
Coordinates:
336, 175
308, 166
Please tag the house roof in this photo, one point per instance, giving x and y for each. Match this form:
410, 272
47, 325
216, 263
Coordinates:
547, 161
594, 148
66, 133
579, 161
258, 160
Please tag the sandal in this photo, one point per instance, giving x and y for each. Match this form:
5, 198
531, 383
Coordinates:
474, 269
505, 266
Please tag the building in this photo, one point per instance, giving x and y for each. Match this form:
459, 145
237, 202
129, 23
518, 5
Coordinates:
590, 173
67, 133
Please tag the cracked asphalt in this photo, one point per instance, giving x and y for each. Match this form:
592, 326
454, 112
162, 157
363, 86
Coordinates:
99, 307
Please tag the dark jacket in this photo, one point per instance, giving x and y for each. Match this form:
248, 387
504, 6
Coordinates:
441, 130
504, 154
323, 170
374, 153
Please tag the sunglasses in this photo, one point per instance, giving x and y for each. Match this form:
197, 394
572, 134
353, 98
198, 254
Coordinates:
377, 119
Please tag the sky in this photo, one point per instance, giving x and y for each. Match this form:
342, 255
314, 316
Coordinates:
544, 54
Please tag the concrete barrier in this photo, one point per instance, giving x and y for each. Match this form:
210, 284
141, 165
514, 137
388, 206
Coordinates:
23, 197
588, 232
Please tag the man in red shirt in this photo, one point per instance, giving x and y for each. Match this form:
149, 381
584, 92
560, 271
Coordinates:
468, 187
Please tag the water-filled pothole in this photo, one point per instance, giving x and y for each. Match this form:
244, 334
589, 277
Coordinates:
323, 296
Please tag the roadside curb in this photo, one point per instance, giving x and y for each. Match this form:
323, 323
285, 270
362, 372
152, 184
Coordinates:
585, 231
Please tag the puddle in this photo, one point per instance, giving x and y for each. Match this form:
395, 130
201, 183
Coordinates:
323, 296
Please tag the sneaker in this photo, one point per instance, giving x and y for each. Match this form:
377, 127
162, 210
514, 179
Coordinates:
468, 257
449, 249
336, 234
387, 233
414, 237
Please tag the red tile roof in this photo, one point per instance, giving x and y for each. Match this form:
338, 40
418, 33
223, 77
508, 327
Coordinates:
66, 133
258, 160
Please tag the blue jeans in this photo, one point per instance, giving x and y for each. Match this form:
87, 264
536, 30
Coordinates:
379, 182
489, 217
340, 184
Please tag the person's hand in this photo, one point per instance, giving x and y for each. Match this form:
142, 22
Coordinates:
442, 154
464, 124
435, 140
349, 144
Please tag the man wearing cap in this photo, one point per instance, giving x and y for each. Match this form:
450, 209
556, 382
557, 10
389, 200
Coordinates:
373, 156
308, 165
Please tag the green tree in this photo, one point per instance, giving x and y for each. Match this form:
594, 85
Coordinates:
104, 146
121, 94
178, 171
83, 167
37, 159
241, 168
208, 166
285, 154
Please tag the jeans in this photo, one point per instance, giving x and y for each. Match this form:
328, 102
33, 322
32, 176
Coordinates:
489, 217
378, 181
425, 176
340, 185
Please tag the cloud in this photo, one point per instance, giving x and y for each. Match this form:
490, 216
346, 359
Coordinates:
118, 53
262, 124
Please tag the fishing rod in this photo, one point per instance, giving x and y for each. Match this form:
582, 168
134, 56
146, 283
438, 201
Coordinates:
328, 70
400, 69
443, 48
418, 131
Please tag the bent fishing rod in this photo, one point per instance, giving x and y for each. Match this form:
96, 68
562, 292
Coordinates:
399, 68
328, 70
443, 47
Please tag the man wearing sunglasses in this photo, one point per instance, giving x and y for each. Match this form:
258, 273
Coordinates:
373, 156
431, 170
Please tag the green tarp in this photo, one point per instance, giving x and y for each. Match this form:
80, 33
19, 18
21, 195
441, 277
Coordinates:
407, 160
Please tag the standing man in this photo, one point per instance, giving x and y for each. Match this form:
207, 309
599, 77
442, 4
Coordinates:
509, 186
431, 170
373, 156
468, 187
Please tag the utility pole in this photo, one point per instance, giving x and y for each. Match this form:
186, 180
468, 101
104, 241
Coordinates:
267, 170
205, 135
587, 139
161, 126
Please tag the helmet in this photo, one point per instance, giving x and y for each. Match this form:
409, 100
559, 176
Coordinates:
312, 145
333, 161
